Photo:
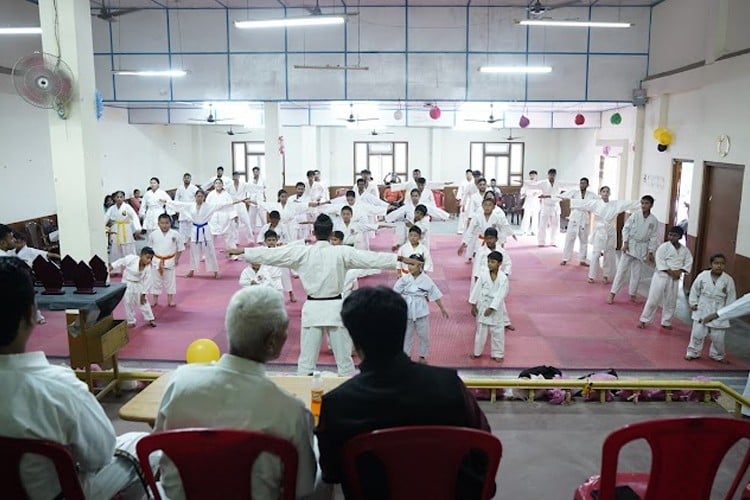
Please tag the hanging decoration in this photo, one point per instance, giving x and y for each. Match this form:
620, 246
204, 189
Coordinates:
435, 112
524, 121
615, 119
665, 137
99, 103
661, 147
658, 131
398, 114
579, 119
282, 149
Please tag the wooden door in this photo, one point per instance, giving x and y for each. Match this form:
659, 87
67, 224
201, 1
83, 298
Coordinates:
720, 213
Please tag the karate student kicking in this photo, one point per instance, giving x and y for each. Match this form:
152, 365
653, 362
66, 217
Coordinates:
672, 261
418, 290
136, 271
639, 242
123, 224
711, 290
168, 246
322, 269
487, 296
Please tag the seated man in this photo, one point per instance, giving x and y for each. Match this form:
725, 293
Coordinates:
235, 393
43, 401
391, 390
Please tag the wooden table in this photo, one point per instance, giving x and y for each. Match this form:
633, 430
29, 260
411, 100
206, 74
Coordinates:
145, 405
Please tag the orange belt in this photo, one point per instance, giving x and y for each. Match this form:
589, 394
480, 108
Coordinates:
162, 260
481, 237
404, 271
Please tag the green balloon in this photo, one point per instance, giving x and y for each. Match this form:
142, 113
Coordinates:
615, 119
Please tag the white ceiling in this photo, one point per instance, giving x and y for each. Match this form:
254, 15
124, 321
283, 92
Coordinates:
240, 4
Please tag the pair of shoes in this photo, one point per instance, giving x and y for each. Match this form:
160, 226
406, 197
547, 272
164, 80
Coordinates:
591, 280
667, 327
723, 361
564, 263
641, 325
583, 263
510, 327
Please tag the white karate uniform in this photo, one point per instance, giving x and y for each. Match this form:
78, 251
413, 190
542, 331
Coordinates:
549, 213
125, 222
166, 246
304, 213
269, 276
604, 235
578, 226
663, 289
407, 250
479, 268
531, 207
473, 238
136, 281
280, 231
256, 191
737, 309
28, 254
316, 192
186, 195
152, 206
322, 271
356, 233
289, 213
210, 182
710, 296
222, 221
464, 191
201, 240
417, 292
489, 294
639, 233
239, 192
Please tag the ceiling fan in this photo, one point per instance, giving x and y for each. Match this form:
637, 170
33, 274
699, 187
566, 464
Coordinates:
110, 15
355, 119
231, 132
491, 119
211, 118
512, 137
379, 132
315, 11
536, 9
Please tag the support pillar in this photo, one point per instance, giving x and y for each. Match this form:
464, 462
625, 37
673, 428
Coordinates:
74, 143
274, 160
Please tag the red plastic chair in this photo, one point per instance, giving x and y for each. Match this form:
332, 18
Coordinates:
685, 455
439, 195
13, 449
216, 463
421, 462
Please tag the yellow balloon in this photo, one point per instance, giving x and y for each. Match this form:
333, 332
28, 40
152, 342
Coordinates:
202, 351
658, 131
665, 137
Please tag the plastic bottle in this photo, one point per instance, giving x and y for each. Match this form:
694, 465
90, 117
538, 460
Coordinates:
316, 396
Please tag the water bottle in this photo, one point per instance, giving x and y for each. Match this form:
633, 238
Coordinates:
316, 396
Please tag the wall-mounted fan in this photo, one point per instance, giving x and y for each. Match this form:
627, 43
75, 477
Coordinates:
44, 81
231, 132
355, 118
490, 119
211, 118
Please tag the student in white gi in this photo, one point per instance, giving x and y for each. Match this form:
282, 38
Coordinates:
487, 296
288, 211
549, 214
136, 274
672, 261
322, 269
168, 246
418, 290
531, 205
474, 236
209, 184
235, 393
737, 309
256, 192
409, 184
126, 224
465, 189
402, 214
315, 190
256, 274
280, 277
44, 401
578, 224
185, 193
153, 205
273, 224
474, 204
414, 246
27, 253
604, 236
356, 232
711, 290
224, 221
371, 187
237, 190
639, 242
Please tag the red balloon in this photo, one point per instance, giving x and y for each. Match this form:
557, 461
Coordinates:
580, 119
435, 112
524, 122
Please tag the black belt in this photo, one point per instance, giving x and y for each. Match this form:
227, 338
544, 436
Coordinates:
337, 297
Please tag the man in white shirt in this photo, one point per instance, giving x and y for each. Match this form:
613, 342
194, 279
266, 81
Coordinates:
370, 185
7, 242
43, 401
322, 270
256, 191
209, 184
235, 393
462, 197
578, 224
549, 214
185, 193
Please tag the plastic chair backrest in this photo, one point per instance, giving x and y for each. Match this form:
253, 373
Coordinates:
35, 234
13, 449
216, 463
685, 455
421, 461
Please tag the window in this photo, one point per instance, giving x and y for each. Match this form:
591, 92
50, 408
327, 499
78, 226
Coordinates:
502, 161
382, 159
246, 155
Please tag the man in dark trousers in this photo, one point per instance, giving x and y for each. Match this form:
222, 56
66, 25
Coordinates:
391, 391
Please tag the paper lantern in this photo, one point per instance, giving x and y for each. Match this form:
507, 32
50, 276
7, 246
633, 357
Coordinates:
398, 114
202, 351
579, 119
661, 147
435, 112
657, 132
666, 137
615, 119
524, 122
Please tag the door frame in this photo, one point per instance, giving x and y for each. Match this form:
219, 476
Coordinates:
674, 193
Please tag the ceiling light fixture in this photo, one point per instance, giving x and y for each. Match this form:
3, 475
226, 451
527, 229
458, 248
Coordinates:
350, 67
164, 73
291, 22
573, 24
21, 31
515, 70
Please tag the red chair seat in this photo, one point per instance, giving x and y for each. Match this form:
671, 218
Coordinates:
638, 481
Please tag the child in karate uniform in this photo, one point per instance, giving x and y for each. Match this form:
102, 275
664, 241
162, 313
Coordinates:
136, 270
257, 274
418, 289
414, 246
487, 296
274, 224
711, 290
280, 277
479, 267
168, 246
123, 223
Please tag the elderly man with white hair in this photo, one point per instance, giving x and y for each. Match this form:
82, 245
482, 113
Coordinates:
235, 393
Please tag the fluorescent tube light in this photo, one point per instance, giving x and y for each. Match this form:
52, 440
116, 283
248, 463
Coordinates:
349, 67
20, 31
165, 72
573, 24
517, 70
290, 22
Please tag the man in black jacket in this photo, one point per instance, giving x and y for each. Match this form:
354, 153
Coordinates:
390, 391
